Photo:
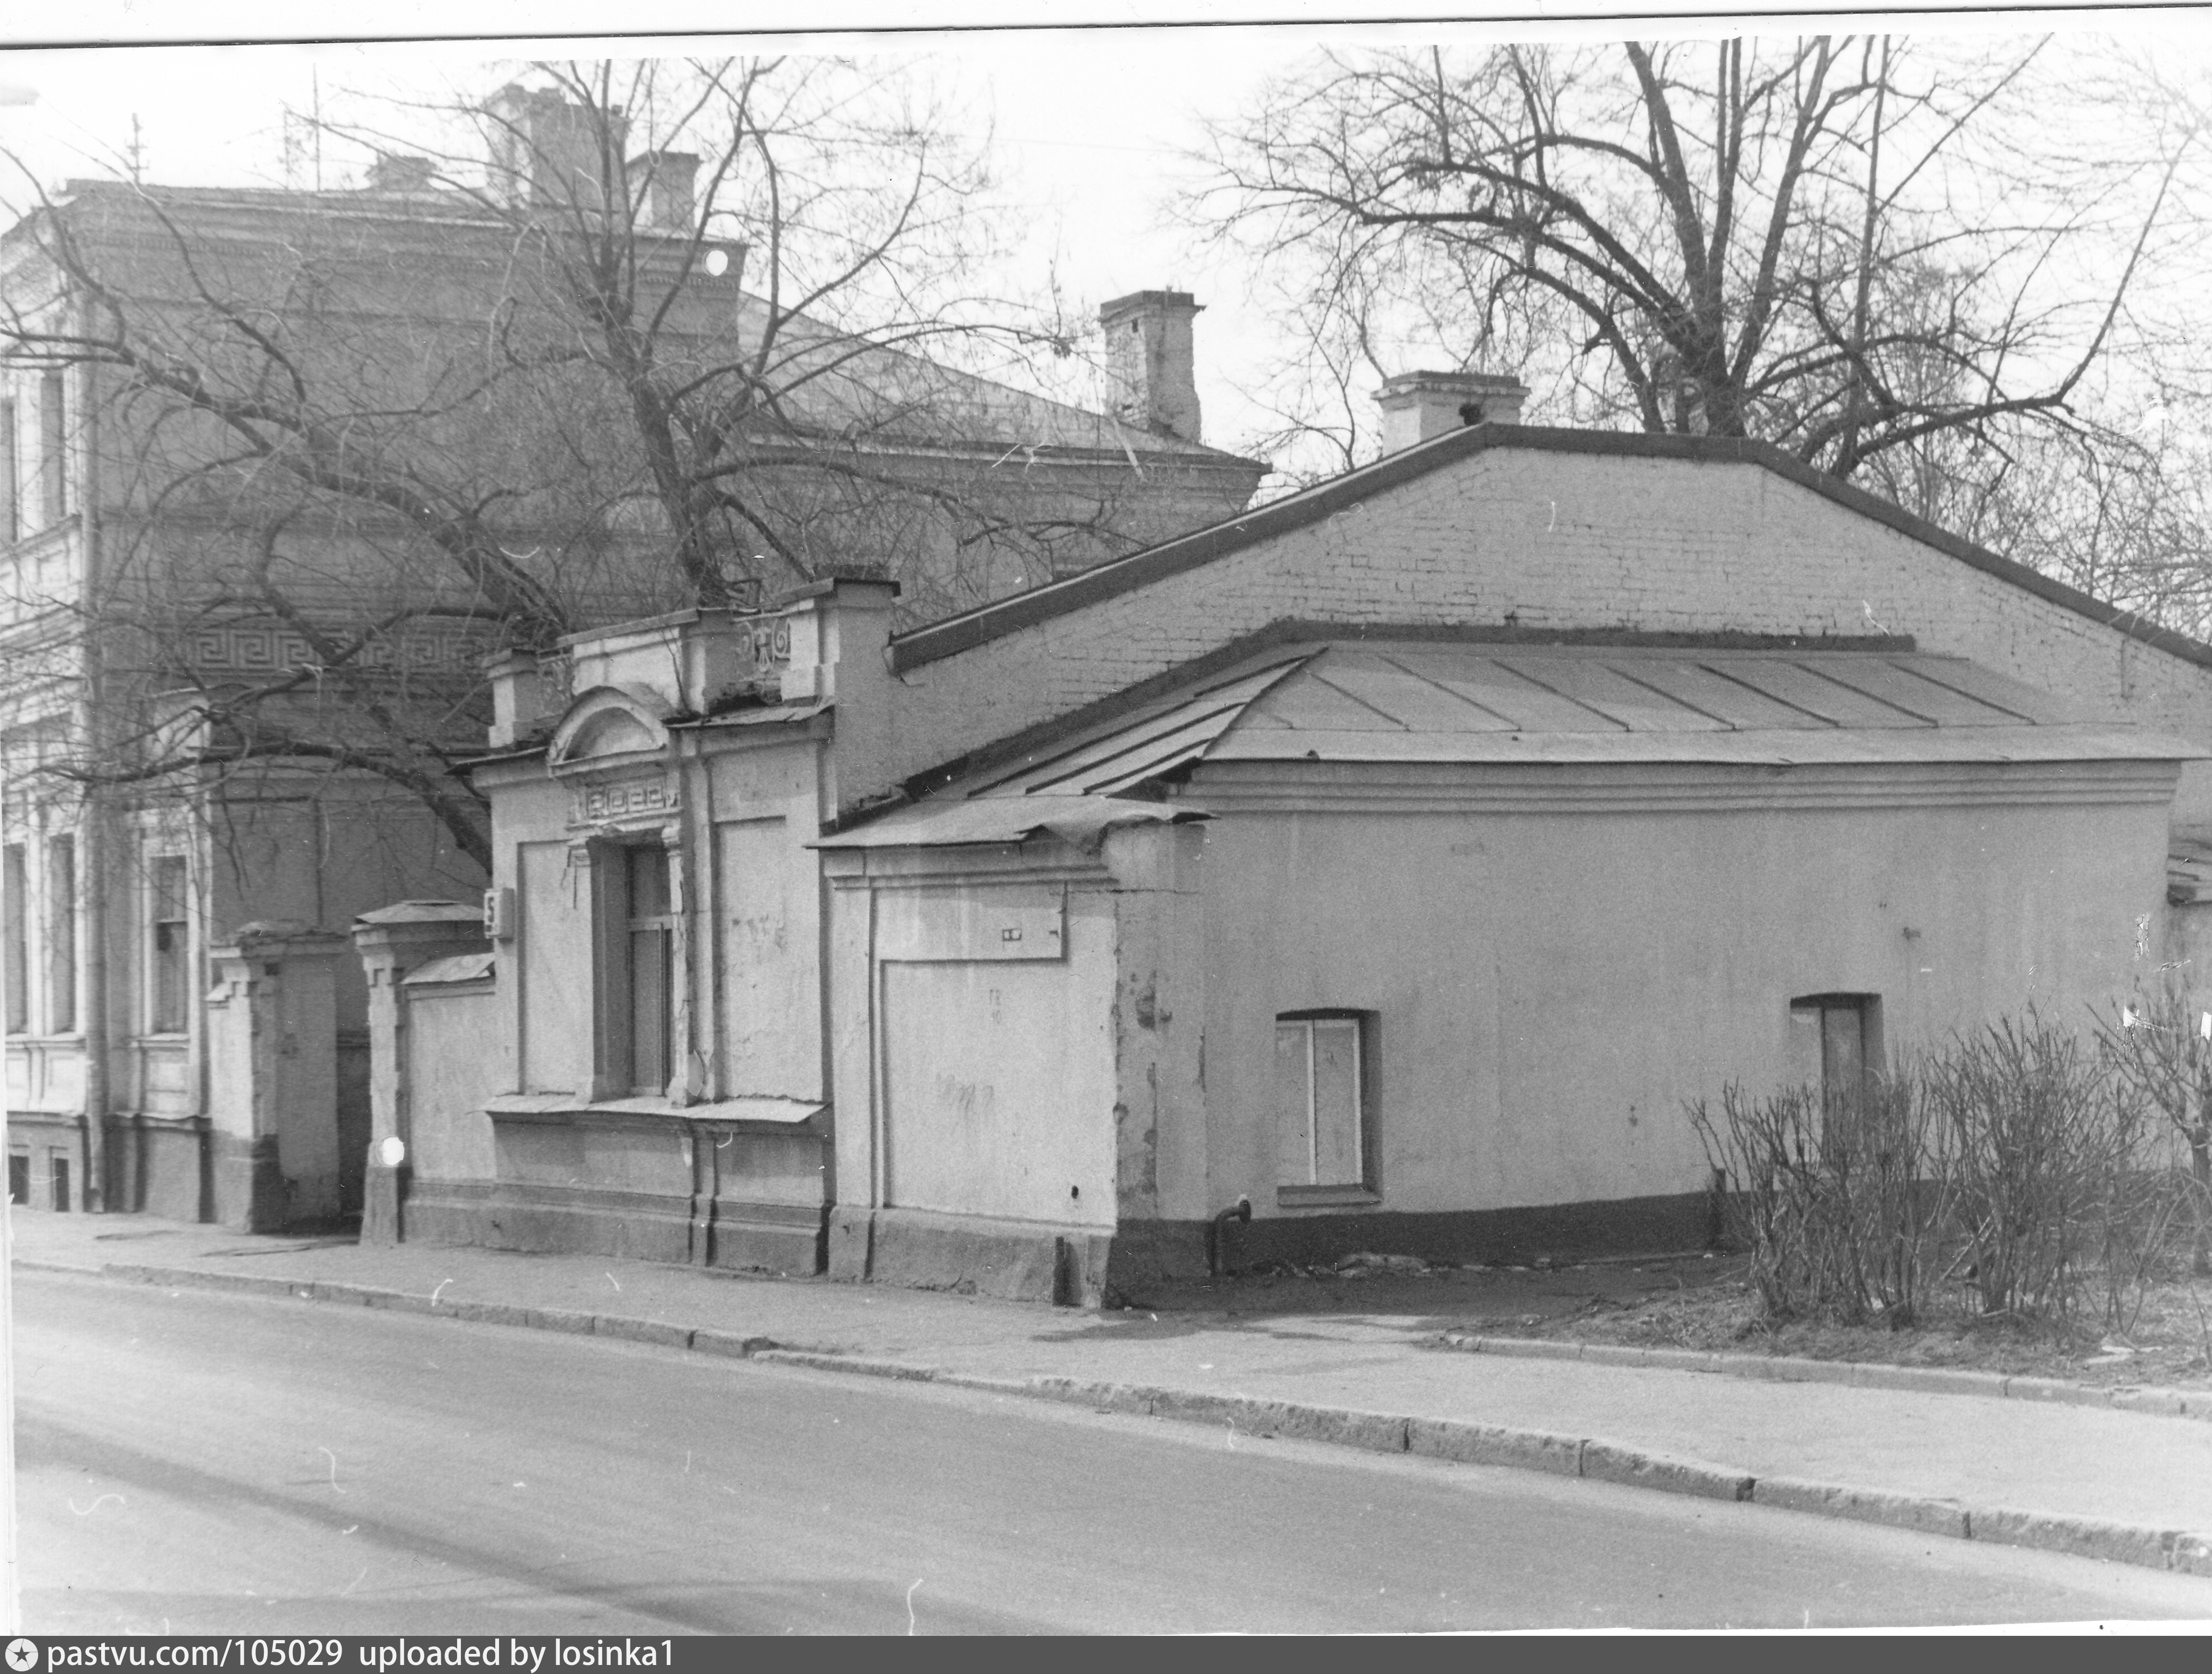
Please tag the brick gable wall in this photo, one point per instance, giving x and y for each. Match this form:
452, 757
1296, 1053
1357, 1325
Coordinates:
1557, 539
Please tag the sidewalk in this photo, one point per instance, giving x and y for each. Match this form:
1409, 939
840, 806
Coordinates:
2130, 1486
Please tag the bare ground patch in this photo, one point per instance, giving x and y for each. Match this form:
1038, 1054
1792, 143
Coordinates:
1705, 1302
1712, 1308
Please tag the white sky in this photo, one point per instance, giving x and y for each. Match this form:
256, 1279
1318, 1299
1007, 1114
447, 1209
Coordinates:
1090, 121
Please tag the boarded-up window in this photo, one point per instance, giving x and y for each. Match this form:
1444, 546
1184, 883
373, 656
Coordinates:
1321, 1100
53, 449
61, 935
1845, 1029
169, 941
649, 935
15, 927
554, 943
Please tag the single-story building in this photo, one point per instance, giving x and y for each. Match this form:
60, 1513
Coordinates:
1422, 944
1395, 859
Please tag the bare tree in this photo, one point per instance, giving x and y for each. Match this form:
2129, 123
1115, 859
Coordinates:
1852, 247
621, 339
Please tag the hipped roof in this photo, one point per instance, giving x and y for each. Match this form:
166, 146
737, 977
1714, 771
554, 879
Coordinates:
892, 397
1487, 703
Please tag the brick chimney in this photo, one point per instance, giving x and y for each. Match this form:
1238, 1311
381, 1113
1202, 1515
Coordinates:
394, 171
545, 150
662, 185
1149, 362
1417, 405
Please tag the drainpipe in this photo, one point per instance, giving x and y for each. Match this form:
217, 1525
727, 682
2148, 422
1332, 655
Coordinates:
93, 880
1240, 1212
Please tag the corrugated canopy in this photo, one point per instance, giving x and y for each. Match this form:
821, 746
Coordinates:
1486, 703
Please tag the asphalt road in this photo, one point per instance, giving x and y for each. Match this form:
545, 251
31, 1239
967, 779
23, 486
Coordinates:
193, 1462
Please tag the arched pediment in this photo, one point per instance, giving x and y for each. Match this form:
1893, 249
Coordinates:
609, 726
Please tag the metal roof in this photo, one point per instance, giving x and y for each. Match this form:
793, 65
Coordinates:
1424, 700
454, 968
1079, 819
1136, 750
1492, 703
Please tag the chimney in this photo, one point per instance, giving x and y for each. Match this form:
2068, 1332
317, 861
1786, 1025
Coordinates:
521, 697
661, 185
546, 150
840, 633
394, 171
1417, 405
1149, 362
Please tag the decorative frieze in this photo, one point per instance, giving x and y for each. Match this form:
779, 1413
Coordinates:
610, 802
266, 648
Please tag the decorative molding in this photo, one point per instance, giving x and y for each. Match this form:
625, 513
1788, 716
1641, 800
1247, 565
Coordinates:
768, 643
630, 718
618, 801
268, 648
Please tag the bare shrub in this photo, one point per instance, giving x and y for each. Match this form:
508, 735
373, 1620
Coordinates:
2161, 1045
2148, 1225
2043, 1143
1840, 1202
2030, 1161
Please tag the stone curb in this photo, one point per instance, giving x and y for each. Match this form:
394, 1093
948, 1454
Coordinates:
2181, 1551
1861, 1374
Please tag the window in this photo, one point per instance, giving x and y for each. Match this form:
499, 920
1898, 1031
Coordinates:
53, 450
1845, 1030
16, 930
11, 519
169, 941
1321, 1068
61, 935
59, 1171
638, 962
19, 1177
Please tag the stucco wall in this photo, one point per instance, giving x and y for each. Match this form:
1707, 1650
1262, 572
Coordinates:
998, 1074
979, 1060
763, 984
457, 1059
1556, 539
553, 967
1549, 988
751, 916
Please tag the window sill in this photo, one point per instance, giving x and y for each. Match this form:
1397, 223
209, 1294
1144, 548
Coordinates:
787, 1114
1319, 1197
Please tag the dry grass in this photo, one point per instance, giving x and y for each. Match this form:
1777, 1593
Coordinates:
2167, 1345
